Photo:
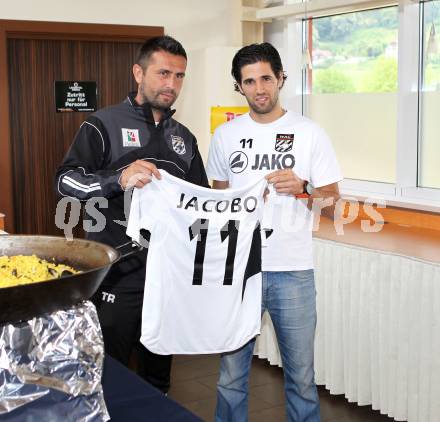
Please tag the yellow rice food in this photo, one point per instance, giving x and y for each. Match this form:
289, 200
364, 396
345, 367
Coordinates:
21, 269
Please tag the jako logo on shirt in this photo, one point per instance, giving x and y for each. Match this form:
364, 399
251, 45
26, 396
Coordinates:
178, 144
238, 161
130, 138
284, 143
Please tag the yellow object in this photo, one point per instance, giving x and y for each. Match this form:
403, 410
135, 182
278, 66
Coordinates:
220, 115
21, 269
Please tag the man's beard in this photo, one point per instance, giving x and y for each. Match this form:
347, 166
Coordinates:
155, 101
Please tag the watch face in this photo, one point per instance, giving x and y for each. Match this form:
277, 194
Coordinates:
309, 188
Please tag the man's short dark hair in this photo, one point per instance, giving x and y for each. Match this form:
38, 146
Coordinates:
253, 53
162, 43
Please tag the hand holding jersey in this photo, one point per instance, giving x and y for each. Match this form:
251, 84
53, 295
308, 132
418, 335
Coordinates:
286, 181
138, 174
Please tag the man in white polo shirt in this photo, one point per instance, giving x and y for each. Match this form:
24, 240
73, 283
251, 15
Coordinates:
297, 158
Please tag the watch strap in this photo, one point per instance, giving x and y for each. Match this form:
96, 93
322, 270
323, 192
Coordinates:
304, 193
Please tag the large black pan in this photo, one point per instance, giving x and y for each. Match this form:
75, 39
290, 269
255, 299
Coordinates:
23, 302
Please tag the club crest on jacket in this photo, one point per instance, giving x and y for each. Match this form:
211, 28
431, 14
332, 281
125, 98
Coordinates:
178, 144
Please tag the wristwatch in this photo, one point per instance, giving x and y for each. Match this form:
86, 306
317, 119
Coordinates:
307, 190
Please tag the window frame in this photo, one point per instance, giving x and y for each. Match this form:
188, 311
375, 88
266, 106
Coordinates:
405, 192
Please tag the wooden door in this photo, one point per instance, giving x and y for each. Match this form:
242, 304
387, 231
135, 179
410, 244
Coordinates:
38, 135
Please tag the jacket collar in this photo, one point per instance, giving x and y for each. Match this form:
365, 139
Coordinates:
145, 109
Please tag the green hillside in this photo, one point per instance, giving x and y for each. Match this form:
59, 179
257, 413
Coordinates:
357, 52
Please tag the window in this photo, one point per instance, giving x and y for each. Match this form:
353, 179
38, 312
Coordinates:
374, 86
352, 89
429, 135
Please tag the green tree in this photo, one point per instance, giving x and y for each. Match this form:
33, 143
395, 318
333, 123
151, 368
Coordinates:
336, 28
383, 77
331, 81
360, 34
384, 18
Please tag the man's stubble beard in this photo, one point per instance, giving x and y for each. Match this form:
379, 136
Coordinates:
154, 103
270, 106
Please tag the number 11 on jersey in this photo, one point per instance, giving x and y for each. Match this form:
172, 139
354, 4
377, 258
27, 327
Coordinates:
199, 230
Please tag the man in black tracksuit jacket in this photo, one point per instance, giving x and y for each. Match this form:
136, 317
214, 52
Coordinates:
119, 147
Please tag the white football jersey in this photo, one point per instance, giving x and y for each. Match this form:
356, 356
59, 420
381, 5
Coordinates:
203, 275
243, 150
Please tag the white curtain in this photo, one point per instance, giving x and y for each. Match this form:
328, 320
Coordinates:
378, 331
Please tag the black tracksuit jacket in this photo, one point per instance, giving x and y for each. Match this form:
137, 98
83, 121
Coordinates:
106, 143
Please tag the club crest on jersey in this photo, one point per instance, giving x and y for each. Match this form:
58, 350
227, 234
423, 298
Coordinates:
130, 137
238, 161
284, 142
178, 144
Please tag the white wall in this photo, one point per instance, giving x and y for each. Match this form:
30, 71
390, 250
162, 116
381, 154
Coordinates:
210, 70
281, 33
208, 29
196, 23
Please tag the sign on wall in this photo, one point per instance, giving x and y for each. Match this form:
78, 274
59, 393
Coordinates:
75, 96
221, 115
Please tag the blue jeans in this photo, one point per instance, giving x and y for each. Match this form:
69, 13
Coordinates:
290, 299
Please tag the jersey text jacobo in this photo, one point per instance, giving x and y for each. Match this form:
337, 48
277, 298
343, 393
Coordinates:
249, 204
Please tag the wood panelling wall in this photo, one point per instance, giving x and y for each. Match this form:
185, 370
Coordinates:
39, 135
